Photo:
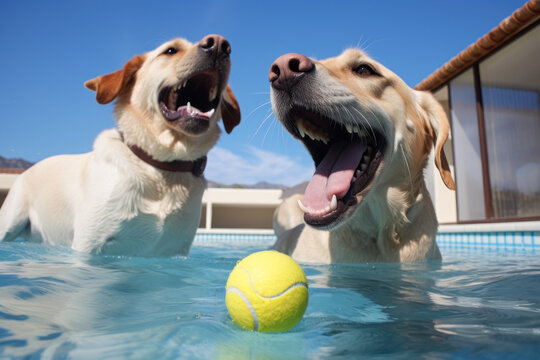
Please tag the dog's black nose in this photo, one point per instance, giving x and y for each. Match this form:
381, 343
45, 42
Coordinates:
288, 69
215, 44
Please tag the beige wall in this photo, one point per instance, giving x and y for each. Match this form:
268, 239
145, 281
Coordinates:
237, 217
239, 208
443, 198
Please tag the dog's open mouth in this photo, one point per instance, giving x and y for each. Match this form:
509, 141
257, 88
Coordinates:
189, 105
346, 159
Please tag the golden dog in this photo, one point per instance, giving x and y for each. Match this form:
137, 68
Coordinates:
139, 192
370, 136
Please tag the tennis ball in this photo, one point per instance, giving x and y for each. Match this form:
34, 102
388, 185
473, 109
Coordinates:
267, 291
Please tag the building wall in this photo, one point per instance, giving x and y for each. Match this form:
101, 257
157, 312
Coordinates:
242, 217
239, 208
443, 198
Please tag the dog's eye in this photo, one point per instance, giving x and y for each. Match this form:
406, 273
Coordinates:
364, 70
171, 51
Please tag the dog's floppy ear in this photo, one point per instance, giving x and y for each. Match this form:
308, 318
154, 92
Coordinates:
438, 128
107, 87
230, 110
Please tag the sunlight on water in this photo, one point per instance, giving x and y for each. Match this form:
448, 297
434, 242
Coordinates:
55, 303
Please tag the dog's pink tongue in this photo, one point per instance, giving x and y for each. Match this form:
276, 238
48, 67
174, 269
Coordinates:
334, 174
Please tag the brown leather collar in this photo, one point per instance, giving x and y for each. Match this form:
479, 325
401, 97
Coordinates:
196, 167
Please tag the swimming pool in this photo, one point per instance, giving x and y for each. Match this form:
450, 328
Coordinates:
480, 302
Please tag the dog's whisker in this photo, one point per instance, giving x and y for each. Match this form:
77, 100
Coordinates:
364, 122
259, 107
352, 117
358, 46
267, 116
263, 122
382, 128
268, 130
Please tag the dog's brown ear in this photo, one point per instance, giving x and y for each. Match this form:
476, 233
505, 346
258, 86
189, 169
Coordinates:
439, 130
230, 110
107, 87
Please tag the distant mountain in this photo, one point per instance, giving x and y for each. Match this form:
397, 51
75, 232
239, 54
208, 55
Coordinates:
296, 189
7, 163
267, 185
259, 185
287, 190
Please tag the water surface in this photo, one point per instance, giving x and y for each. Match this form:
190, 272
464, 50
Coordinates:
56, 303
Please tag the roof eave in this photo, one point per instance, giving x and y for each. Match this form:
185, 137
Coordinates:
508, 29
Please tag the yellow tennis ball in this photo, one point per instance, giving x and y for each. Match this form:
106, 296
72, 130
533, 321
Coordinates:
267, 291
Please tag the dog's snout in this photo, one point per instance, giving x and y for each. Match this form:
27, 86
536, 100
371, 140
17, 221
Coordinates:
288, 69
215, 44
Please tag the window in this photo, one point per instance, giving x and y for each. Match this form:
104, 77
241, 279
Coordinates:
467, 155
510, 82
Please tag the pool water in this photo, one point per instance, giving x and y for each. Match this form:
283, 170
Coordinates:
56, 303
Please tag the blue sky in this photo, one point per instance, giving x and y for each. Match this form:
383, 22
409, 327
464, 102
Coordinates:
50, 48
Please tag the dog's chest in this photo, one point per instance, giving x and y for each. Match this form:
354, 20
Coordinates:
150, 235
159, 219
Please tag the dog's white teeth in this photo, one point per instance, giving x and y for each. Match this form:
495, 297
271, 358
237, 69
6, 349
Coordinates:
302, 207
315, 134
349, 128
302, 130
213, 93
365, 158
333, 203
210, 113
321, 138
326, 210
300, 127
360, 132
363, 167
189, 107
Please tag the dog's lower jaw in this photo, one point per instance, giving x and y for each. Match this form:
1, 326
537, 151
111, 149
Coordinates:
164, 143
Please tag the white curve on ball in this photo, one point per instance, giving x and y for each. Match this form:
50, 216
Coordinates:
295, 285
248, 304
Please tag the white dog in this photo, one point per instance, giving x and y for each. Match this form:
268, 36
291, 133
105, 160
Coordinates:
139, 192
369, 135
